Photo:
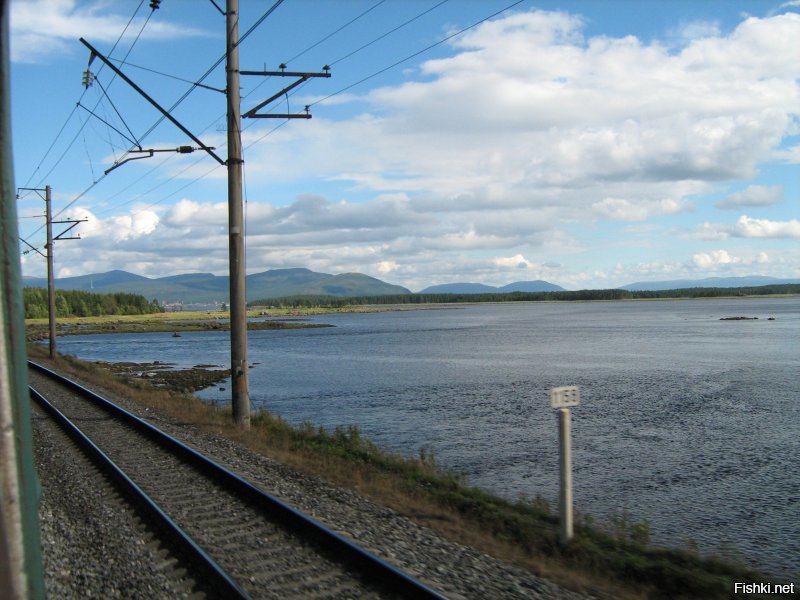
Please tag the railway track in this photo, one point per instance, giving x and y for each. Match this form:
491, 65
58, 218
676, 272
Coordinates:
238, 540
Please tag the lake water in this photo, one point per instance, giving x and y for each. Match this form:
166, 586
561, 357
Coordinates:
687, 421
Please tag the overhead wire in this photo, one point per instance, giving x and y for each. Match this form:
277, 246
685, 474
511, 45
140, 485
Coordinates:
321, 100
74, 139
211, 69
88, 156
101, 105
107, 124
111, 102
345, 57
83, 125
388, 33
415, 54
325, 38
195, 84
191, 89
330, 35
373, 41
74, 109
127, 54
156, 72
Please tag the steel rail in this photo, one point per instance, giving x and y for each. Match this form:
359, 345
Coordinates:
374, 569
217, 578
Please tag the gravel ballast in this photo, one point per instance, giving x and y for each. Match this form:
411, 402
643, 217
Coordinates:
94, 547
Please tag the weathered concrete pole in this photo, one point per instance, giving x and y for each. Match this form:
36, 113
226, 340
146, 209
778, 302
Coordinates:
51, 282
240, 400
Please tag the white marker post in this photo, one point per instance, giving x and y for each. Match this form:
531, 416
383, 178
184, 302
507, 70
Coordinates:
562, 398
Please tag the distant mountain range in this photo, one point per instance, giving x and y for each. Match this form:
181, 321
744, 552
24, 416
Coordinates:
206, 288
479, 288
709, 282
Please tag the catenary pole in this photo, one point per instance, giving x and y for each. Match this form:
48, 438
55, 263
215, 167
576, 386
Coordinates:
49, 255
238, 304
51, 284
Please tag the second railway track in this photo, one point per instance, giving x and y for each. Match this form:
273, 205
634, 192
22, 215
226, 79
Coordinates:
263, 547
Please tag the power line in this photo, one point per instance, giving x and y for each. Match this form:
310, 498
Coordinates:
154, 169
330, 35
379, 38
370, 43
83, 125
417, 53
169, 75
74, 109
211, 69
282, 124
183, 97
105, 93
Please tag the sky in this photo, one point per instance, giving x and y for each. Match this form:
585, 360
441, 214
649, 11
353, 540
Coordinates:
590, 144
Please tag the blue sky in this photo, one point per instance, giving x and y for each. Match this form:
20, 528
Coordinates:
587, 143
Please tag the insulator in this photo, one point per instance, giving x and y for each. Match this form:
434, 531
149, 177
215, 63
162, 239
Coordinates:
87, 79
185, 149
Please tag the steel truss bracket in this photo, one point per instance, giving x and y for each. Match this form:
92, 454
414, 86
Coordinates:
301, 78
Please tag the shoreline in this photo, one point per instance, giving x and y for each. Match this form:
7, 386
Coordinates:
616, 557
285, 318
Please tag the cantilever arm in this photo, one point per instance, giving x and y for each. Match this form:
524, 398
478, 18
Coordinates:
129, 159
164, 112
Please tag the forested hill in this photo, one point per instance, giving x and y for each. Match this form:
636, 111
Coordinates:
71, 303
580, 295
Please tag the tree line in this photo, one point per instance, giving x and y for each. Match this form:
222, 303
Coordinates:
560, 296
75, 303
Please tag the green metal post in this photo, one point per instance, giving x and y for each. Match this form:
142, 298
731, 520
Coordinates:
20, 546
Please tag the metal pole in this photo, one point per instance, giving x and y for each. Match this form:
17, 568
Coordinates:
238, 319
21, 574
51, 284
565, 497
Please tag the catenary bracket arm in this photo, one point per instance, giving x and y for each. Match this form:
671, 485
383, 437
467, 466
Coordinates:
151, 101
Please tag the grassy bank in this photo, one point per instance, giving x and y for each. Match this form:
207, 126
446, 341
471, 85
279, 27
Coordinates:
179, 322
612, 559
173, 322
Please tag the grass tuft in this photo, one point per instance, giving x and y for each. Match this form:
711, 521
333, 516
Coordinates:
611, 559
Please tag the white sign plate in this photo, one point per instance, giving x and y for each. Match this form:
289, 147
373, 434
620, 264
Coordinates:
565, 396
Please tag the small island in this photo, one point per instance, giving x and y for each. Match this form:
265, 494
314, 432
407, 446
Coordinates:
739, 319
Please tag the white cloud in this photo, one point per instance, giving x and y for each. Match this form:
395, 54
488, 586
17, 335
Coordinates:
530, 113
754, 195
711, 231
763, 228
505, 157
43, 29
513, 262
789, 155
694, 30
115, 229
619, 209
747, 227
710, 260
722, 259
387, 266
189, 213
